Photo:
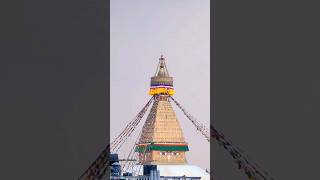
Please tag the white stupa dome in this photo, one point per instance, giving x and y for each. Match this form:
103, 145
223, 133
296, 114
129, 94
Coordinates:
183, 170
179, 170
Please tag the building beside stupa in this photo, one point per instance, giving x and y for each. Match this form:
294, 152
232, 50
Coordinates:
162, 144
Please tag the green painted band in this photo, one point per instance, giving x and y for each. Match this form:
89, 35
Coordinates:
161, 148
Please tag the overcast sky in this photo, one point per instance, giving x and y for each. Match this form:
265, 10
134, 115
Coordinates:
140, 31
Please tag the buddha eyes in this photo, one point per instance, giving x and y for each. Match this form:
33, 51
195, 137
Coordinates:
163, 153
169, 153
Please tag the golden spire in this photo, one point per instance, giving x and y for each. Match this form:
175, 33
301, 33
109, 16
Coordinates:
162, 140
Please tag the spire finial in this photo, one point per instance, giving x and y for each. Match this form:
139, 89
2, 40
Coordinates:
161, 78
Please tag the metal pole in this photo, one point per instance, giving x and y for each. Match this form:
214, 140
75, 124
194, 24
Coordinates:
151, 175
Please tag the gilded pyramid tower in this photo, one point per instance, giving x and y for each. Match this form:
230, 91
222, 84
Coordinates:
162, 141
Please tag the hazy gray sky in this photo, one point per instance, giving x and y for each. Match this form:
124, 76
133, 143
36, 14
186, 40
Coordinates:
140, 31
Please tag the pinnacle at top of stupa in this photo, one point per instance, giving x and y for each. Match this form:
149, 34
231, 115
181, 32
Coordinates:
162, 70
161, 82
